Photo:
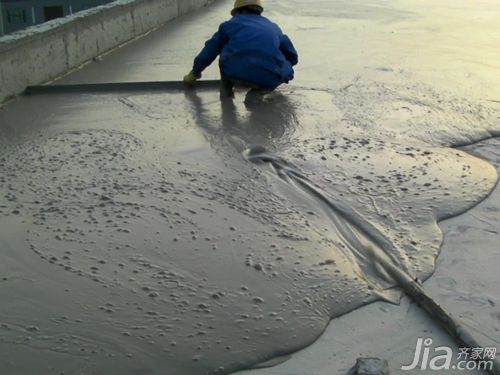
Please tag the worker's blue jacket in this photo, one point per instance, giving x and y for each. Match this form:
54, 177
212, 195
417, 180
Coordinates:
252, 49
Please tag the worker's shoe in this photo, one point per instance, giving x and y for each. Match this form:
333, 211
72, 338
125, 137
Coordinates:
226, 93
255, 97
226, 89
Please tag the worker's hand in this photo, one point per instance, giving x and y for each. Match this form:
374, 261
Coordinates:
191, 77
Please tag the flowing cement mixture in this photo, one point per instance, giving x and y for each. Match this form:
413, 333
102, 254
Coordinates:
162, 248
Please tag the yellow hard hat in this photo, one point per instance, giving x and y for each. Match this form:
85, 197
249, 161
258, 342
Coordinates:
243, 3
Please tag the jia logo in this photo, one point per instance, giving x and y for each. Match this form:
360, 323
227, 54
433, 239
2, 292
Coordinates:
442, 357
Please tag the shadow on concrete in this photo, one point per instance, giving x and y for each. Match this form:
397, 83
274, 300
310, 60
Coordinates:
270, 121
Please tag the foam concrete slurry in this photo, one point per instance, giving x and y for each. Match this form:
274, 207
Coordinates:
142, 296
46, 51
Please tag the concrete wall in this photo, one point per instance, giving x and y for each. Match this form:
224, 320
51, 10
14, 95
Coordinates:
41, 53
185, 6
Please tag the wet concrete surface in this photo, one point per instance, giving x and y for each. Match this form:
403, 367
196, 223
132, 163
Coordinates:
137, 237
464, 282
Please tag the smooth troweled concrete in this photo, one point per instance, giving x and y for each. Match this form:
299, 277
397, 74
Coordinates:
44, 52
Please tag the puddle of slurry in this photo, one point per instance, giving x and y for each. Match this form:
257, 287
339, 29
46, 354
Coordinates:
179, 253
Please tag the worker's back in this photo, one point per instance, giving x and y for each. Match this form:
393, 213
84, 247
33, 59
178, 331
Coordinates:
256, 51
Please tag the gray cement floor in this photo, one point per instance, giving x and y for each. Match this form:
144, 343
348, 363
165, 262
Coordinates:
452, 48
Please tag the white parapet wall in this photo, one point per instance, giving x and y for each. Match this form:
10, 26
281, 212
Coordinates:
41, 53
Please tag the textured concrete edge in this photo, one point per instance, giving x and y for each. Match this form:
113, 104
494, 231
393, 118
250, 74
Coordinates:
44, 52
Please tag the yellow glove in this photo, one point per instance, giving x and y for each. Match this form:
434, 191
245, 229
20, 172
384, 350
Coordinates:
191, 77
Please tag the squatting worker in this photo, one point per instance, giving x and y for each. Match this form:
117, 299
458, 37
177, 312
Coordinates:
253, 51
